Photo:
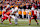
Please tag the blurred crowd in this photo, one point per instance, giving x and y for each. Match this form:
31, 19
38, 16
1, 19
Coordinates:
20, 4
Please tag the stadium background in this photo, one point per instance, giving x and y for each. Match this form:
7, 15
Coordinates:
21, 22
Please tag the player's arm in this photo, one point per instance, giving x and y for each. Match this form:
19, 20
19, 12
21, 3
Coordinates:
7, 6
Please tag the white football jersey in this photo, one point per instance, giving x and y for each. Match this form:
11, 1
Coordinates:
12, 10
35, 12
16, 8
7, 6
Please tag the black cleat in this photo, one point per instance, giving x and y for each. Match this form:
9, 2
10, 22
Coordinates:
37, 23
29, 24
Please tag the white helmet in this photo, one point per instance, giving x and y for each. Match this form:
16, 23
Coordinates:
32, 8
16, 8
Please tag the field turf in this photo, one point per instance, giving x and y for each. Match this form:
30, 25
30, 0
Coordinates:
21, 23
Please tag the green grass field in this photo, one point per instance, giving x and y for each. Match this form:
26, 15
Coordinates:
21, 23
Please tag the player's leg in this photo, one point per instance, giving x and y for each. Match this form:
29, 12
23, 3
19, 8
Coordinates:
35, 18
7, 16
36, 21
10, 20
16, 20
29, 19
2, 19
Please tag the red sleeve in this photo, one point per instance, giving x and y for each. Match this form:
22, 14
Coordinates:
32, 12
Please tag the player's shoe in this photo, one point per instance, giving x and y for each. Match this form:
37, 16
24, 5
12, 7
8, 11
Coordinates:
1, 22
29, 24
10, 23
16, 23
37, 23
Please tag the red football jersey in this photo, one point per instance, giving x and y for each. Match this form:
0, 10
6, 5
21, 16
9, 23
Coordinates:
33, 12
